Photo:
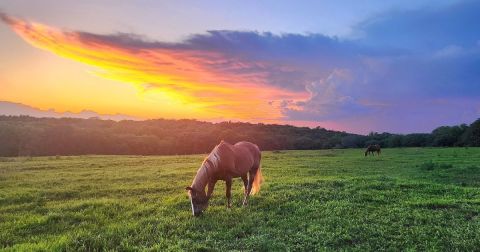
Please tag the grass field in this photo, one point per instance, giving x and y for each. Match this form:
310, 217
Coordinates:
311, 200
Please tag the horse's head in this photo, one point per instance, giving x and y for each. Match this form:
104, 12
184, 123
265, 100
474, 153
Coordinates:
198, 199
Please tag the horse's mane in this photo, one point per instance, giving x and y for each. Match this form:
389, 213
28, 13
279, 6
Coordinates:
209, 163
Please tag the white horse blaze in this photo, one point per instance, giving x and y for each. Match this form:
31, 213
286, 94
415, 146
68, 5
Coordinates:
191, 202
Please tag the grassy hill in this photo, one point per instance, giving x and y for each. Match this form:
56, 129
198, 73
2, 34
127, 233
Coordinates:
412, 198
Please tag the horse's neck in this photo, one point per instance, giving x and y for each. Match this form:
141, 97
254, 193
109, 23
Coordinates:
209, 167
201, 179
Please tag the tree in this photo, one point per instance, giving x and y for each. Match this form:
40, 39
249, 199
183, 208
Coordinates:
447, 136
471, 136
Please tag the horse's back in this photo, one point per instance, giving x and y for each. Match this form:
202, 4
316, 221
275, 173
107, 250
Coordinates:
247, 156
251, 147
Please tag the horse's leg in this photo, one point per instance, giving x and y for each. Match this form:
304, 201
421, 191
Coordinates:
228, 183
251, 178
211, 186
245, 186
245, 183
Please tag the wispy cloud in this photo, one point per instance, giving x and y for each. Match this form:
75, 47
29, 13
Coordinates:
18, 109
207, 78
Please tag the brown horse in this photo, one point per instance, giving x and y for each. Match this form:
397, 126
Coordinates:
226, 162
371, 149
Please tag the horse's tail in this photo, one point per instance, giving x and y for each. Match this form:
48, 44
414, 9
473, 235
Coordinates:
257, 181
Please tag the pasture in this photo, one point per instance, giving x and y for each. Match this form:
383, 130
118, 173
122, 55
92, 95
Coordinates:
405, 199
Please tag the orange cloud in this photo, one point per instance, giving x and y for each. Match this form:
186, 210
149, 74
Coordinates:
210, 81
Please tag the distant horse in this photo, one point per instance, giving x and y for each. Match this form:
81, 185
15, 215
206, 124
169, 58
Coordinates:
371, 149
225, 162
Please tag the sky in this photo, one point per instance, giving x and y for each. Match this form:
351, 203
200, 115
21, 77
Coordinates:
356, 66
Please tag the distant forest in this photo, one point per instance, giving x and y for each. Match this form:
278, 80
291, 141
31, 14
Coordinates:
29, 136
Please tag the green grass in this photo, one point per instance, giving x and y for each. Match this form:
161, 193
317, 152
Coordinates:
406, 199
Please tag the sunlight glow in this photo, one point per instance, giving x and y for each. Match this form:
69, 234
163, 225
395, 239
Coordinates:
181, 78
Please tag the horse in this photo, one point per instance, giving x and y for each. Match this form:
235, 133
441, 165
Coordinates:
226, 162
371, 149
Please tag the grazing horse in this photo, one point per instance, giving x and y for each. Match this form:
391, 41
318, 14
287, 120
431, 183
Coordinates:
371, 149
225, 162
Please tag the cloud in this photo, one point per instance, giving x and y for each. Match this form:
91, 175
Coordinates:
449, 51
395, 68
200, 77
18, 109
330, 99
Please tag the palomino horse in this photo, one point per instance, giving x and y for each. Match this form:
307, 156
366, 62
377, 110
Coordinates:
371, 149
225, 162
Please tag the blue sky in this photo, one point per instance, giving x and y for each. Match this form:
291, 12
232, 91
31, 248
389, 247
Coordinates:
174, 20
397, 66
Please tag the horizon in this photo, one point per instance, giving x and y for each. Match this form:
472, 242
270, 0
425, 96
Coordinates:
400, 67
23, 110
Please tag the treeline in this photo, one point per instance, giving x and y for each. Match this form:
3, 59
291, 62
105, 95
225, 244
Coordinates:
444, 136
29, 136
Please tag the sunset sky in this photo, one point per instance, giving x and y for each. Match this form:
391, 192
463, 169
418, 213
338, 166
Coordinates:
396, 66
